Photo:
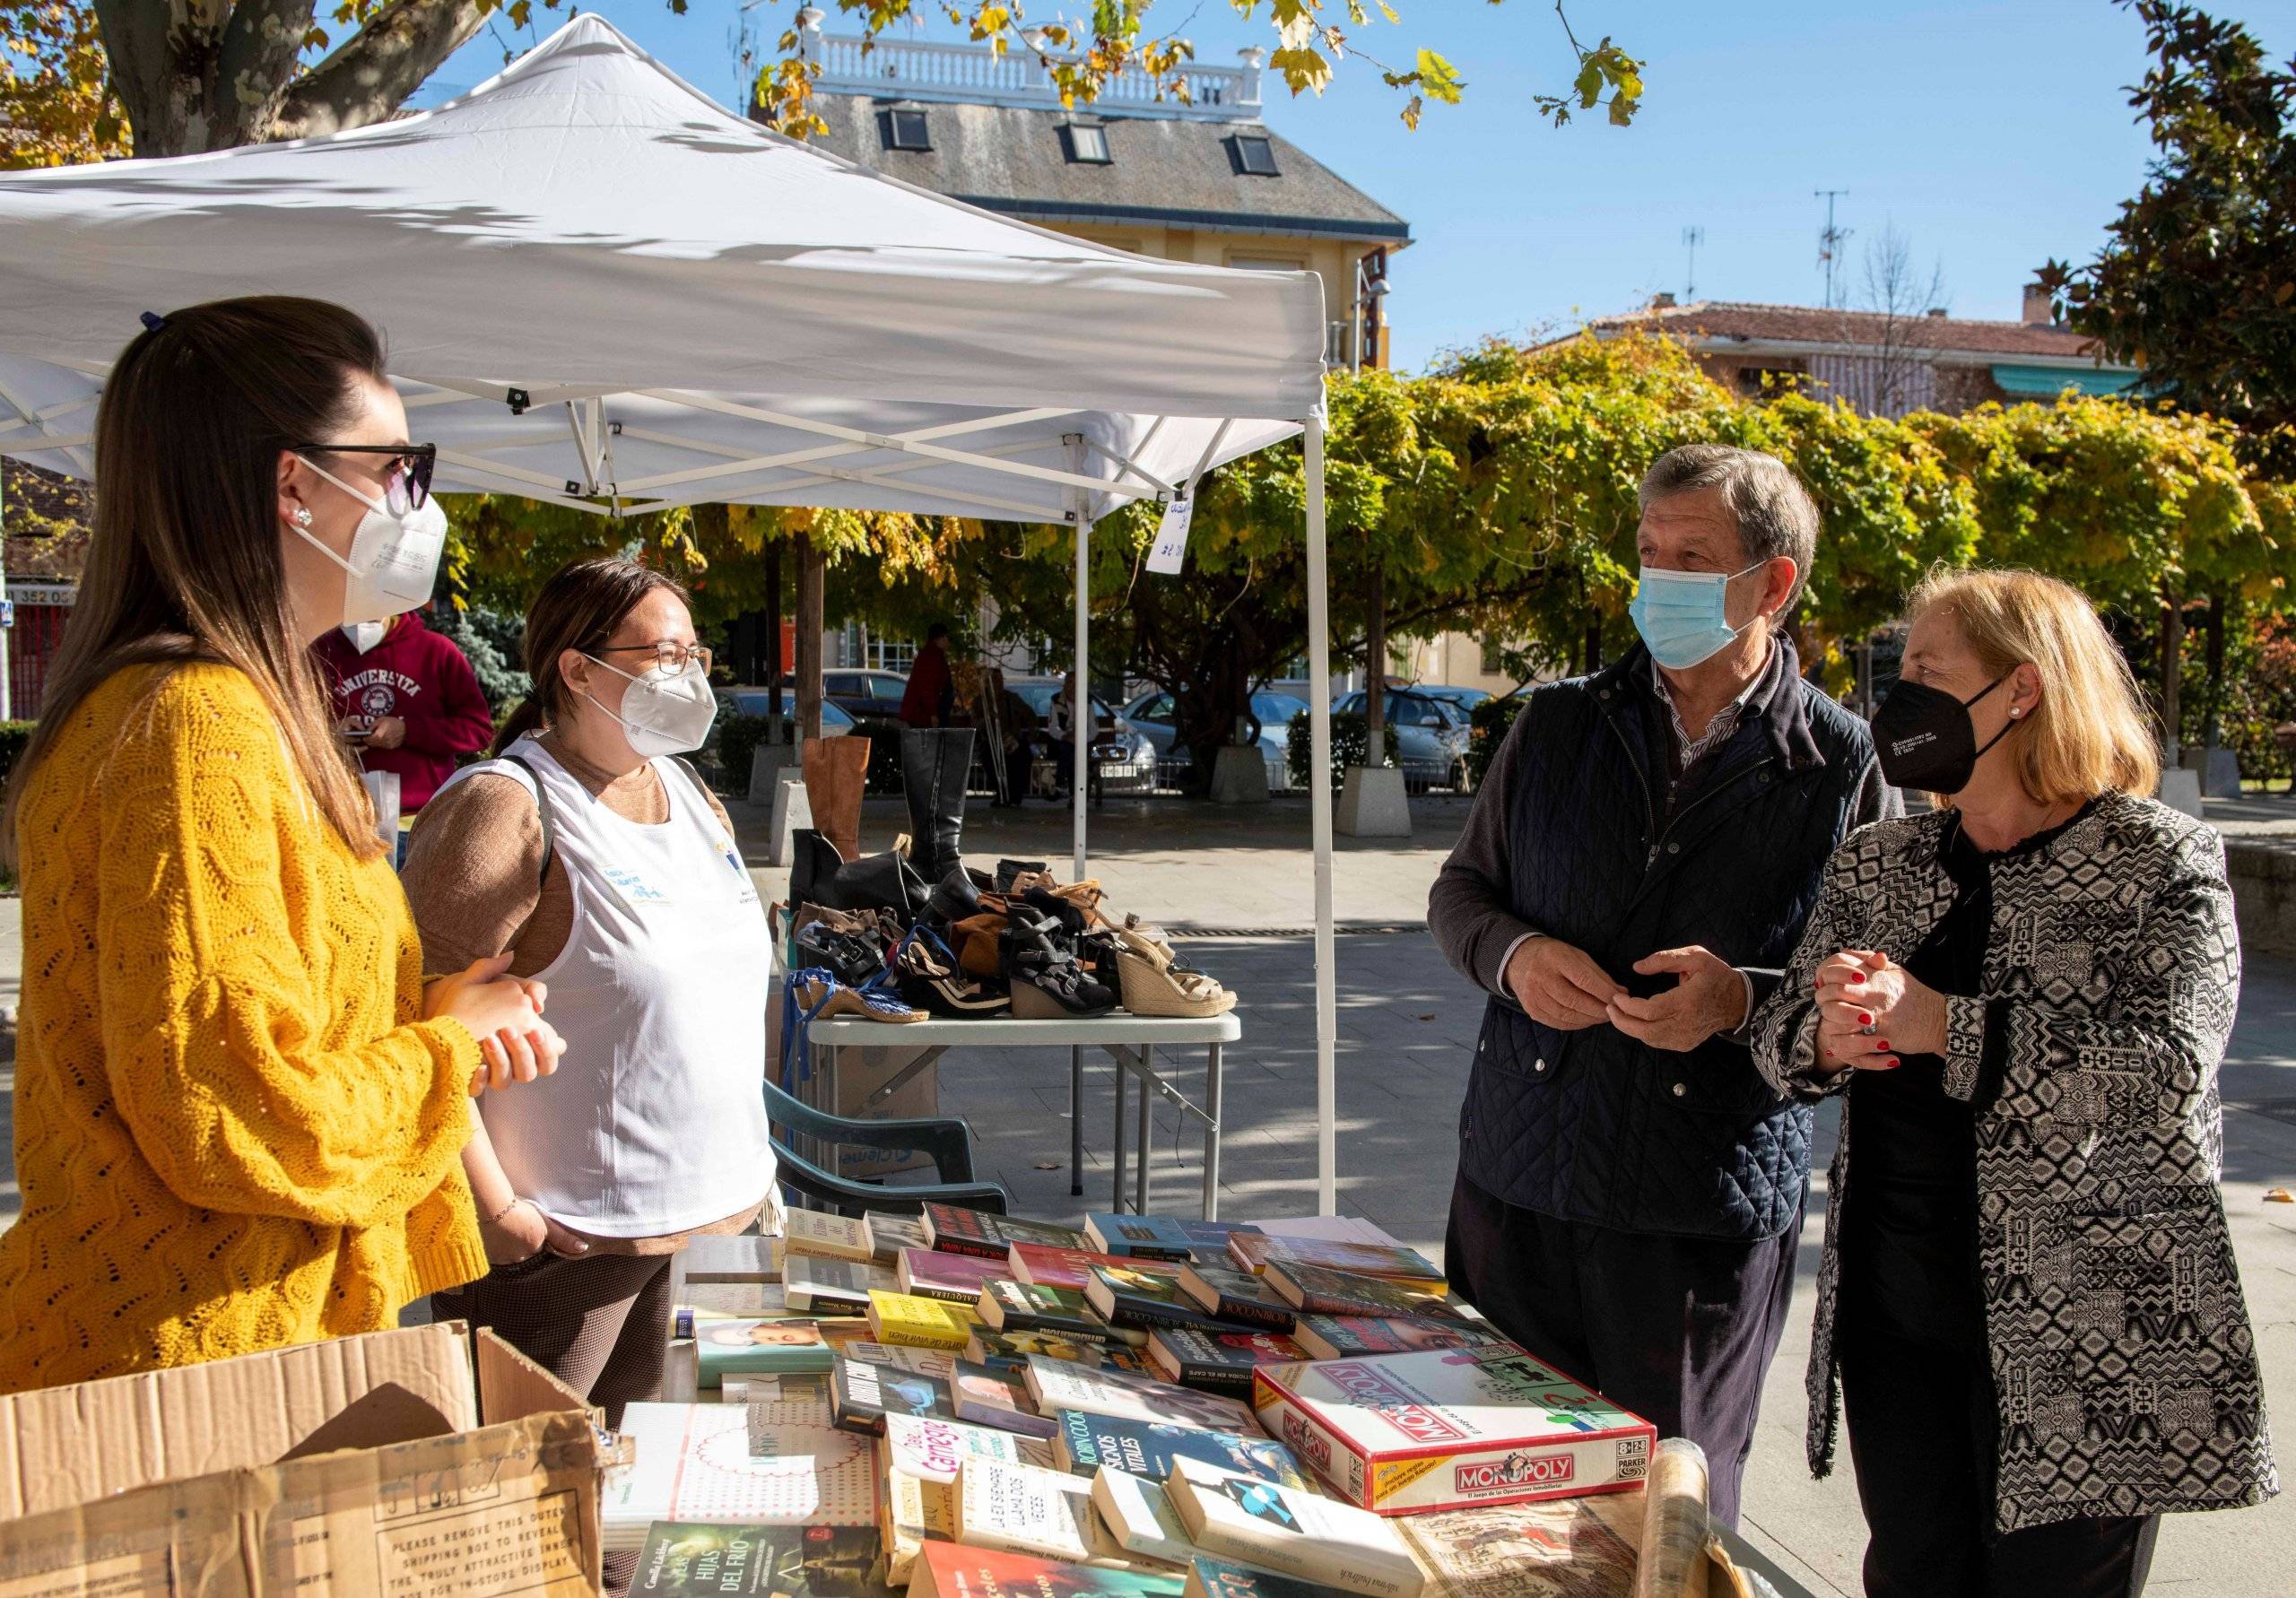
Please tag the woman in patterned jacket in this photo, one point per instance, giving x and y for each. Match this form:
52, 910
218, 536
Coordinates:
2028, 1294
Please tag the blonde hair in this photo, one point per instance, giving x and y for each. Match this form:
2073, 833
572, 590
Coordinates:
2088, 734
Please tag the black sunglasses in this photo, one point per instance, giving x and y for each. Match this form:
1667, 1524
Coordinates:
408, 482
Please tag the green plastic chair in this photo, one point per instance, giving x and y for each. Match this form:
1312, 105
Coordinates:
946, 1140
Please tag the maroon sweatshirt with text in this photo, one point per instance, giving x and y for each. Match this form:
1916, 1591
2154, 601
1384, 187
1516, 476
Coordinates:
420, 677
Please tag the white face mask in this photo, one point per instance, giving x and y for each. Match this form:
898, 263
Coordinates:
393, 561
663, 712
365, 635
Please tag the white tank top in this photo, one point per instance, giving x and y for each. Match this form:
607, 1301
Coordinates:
654, 1122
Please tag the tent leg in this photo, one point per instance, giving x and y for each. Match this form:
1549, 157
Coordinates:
1080, 712
1319, 813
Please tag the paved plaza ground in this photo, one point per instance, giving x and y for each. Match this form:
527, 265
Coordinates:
1237, 886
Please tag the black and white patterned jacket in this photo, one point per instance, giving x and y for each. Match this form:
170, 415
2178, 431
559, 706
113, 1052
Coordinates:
2124, 1366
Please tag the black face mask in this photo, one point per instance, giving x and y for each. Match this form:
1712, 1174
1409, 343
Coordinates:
1925, 739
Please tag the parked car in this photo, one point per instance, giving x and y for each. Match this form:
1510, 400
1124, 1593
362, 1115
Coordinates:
1124, 753
870, 693
756, 701
1464, 700
1154, 713
1431, 737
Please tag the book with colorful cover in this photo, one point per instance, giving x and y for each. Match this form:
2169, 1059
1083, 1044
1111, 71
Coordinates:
754, 1301
1139, 1516
1145, 1300
953, 1570
952, 1278
702, 1462
1057, 1385
955, 1229
1072, 1268
1226, 1291
743, 1347
1218, 1361
684, 1559
1008, 1306
863, 1396
1565, 1548
810, 1391
1401, 1433
920, 1455
1310, 1289
1026, 1509
1256, 1251
1160, 1237
1292, 1530
1356, 1337
939, 1364
908, 1321
823, 1235
1085, 1443
888, 1234
987, 1397
1208, 1577
835, 1286
737, 1257
1010, 1351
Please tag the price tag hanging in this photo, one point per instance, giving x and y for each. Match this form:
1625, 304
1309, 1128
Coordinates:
1172, 535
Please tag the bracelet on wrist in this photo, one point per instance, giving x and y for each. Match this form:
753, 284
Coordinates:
496, 1219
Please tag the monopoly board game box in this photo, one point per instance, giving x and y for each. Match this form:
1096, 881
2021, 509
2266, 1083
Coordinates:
1402, 1433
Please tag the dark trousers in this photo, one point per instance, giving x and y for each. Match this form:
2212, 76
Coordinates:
600, 1324
1679, 1329
1921, 1435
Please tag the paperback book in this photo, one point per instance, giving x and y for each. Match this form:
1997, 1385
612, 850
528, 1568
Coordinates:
1294, 1530
1085, 1443
1568, 1548
1159, 1237
952, 1278
838, 1287
741, 1257
700, 1463
908, 1321
1139, 1516
1218, 1361
921, 1456
823, 1235
1011, 1349
752, 1299
724, 1348
1400, 1433
812, 1391
1256, 1251
1008, 1306
863, 1396
1208, 1577
1353, 1337
889, 1234
1133, 1299
952, 1570
997, 1398
1055, 1385
1228, 1292
1022, 1509
959, 1230
1311, 1290
1072, 1268
937, 1363
683, 1559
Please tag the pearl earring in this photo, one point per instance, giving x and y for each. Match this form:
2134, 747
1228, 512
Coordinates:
303, 519
2015, 713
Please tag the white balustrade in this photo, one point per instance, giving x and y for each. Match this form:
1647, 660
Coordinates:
927, 70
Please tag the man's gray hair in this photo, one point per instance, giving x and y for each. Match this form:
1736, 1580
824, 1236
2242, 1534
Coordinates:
1775, 515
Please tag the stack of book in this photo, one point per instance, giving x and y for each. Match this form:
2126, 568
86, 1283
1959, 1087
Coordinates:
969, 1404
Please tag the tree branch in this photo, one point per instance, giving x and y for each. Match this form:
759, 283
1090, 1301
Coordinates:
378, 67
255, 61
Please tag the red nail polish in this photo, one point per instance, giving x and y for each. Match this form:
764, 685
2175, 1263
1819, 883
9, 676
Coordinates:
1884, 1043
1865, 1018
1858, 975
1893, 1065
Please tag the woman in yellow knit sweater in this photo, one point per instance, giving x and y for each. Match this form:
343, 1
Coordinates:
239, 1117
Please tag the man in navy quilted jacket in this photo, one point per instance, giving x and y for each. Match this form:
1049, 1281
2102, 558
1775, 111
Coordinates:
1636, 871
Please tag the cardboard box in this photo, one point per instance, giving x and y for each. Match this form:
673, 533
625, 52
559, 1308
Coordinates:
398, 1464
1398, 1434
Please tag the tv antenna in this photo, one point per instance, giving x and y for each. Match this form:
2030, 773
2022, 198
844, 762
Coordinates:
1829, 242
1692, 237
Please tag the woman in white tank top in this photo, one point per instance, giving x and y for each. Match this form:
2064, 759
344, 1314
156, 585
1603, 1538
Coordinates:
598, 860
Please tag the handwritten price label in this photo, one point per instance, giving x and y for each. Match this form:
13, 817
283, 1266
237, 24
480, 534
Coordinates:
1171, 536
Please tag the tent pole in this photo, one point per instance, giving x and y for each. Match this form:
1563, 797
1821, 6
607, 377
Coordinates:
1080, 708
1319, 813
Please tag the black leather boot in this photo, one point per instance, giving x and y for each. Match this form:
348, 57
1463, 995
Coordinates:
812, 871
934, 762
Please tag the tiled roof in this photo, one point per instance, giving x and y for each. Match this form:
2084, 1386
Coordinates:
1720, 321
1163, 170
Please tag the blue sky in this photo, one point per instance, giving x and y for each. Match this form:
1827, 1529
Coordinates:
1993, 135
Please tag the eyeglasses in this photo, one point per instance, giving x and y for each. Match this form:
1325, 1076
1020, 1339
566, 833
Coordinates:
670, 657
406, 475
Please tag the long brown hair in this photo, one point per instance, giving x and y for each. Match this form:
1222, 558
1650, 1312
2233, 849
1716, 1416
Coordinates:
582, 605
185, 563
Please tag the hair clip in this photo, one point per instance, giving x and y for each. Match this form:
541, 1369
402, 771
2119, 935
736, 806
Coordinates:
153, 321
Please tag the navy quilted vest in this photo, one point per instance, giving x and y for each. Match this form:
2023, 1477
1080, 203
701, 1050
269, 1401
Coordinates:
1592, 1126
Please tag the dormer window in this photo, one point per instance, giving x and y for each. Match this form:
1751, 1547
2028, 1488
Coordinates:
902, 127
1253, 155
1085, 147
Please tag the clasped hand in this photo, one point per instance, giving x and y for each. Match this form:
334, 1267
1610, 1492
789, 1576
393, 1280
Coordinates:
1561, 986
504, 1014
1871, 1012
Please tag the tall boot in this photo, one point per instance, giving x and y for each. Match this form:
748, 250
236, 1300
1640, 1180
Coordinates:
934, 762
836, 771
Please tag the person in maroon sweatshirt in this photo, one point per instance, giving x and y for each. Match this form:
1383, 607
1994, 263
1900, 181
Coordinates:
407, 701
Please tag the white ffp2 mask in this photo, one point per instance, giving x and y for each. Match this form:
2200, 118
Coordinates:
393, 561
663, 712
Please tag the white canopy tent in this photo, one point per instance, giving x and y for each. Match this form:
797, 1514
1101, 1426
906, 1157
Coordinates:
603, 291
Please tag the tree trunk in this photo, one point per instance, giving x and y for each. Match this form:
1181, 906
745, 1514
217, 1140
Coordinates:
1592, 661
772, 675
2209, 725
1375, 672
812, 572
2173, 651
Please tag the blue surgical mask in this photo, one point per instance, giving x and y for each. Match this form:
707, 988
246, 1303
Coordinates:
1683, 615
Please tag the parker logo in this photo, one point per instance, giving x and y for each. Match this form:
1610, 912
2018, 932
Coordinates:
1396, 1405
1517, 1470
1308, 1444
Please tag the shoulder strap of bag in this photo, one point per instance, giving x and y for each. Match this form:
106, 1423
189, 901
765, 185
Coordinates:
542, 809
694, 776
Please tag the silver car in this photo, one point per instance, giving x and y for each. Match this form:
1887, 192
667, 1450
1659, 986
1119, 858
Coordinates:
1431, 737
1154, 715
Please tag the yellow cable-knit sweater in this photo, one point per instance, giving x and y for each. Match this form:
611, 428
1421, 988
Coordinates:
232, 1133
